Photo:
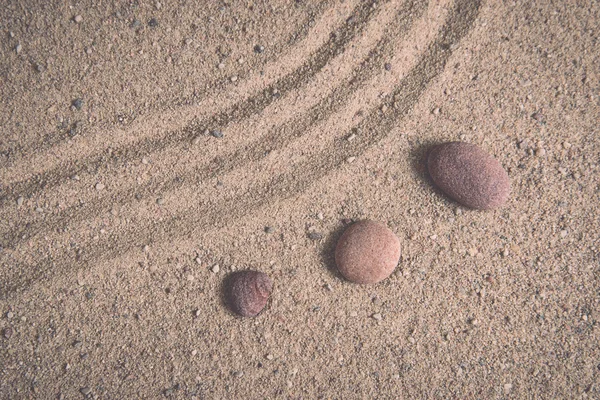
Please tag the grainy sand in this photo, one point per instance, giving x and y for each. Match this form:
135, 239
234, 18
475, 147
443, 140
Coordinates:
113, 216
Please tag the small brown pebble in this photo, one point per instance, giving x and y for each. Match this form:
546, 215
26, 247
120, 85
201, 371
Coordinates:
7, 333
469, 175
367, 252
247, 292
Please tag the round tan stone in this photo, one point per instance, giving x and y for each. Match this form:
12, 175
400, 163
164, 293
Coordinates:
367, 252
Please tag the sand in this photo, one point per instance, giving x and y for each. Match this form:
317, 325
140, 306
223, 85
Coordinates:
115, 210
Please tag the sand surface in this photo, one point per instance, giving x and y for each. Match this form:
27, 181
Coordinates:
117, 202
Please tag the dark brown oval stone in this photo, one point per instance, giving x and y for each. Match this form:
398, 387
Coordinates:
367, 252
469, 175
247, 292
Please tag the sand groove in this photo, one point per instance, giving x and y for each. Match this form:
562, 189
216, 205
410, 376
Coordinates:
294, 44
334, 46
284, 186
276, 138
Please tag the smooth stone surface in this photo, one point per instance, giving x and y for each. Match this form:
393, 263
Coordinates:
367, 252
469, 175
247, 292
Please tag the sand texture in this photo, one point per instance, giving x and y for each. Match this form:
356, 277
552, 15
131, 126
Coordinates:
148, 150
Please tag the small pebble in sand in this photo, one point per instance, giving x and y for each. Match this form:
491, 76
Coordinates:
85, 390
564, 233
367, 252
259, 49
18, 48
160, 201
387, 66
538, 116
376, 316
20, 201
99, 186
77, 103
7, 333
216, 268
247, 292
469, 175
136, 24
9, 315
217, 134
270, 357
78, 19
153, 23
269, 229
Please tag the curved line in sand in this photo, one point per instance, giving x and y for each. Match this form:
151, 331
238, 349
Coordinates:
306, 173
299, 45
316, 130
139, 147
277, 138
